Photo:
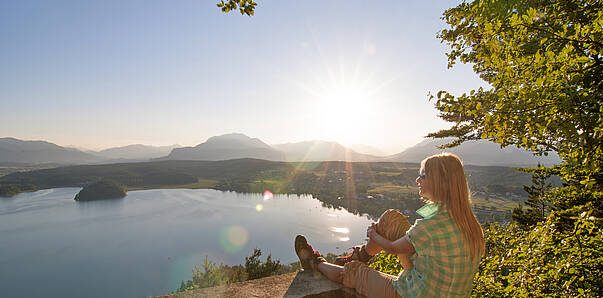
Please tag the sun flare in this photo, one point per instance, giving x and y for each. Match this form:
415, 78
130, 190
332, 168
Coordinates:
344, 112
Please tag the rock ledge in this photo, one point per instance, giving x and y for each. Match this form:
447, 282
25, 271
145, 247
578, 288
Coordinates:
291, 285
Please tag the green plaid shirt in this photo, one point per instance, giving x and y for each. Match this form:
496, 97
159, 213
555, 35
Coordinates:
442, 263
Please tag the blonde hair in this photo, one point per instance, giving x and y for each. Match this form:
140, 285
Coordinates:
445, 174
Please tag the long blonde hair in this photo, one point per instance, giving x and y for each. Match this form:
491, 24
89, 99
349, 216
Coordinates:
445, 174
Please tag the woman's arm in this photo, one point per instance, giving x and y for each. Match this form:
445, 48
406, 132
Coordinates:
398, 247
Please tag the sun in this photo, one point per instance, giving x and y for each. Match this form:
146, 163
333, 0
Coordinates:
345, 113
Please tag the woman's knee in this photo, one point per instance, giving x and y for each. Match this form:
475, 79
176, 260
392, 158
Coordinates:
392, 224
351, 274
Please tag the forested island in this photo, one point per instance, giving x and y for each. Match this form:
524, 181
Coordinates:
104, 189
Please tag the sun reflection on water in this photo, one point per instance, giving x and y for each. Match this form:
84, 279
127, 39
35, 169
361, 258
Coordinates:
340, 230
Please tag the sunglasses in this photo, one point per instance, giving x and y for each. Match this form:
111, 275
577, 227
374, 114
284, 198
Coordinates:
422, 173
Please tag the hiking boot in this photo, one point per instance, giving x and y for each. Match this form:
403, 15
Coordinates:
308, 257
358, 254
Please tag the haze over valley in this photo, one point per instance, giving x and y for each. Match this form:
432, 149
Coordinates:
236, 145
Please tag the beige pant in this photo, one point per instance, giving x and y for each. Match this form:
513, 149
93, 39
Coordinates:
367, 281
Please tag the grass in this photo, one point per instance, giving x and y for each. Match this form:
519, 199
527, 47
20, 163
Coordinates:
201, 183
390, 174
495, 203
273, 185
390, 187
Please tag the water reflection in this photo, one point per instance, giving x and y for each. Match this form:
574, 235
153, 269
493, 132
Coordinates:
148, 242
340, 230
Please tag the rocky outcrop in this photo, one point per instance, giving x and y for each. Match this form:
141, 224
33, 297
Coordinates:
291, 285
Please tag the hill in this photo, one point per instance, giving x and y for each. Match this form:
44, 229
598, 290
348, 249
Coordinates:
36, 152
101, 190
481, 152
136, 152
321, 151
224, 147
366, 149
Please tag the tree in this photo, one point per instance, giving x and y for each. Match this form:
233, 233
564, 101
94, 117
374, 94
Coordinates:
543, 61
245, 6
537, 203
256, 269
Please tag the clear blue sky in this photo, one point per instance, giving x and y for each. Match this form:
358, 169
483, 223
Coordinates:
98, 74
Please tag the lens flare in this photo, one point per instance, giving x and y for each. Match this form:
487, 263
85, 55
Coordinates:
259, 207
233, 239
344, 239
268, 195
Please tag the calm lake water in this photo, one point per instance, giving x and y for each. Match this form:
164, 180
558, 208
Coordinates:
148, 242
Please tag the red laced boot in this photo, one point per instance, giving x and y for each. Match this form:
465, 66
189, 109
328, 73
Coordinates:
358, 254
308, 257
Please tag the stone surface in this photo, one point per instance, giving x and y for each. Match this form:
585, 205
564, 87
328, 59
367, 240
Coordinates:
291, 285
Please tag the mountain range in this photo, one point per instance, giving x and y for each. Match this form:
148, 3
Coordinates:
136, 151
38, 152
228, 146
236, 145
321, 151
482, 153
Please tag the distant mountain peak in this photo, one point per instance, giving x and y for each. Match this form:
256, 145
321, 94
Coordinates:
232, 135
233, 140
227, 146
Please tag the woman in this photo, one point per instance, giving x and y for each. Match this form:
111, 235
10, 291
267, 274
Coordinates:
440, 254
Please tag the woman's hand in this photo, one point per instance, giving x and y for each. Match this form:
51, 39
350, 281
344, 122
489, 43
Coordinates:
371, 231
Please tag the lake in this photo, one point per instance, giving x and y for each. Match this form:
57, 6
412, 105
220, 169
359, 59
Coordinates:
148, 242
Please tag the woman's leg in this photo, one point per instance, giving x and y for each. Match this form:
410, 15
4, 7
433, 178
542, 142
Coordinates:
367, 281
331, 271
392, 225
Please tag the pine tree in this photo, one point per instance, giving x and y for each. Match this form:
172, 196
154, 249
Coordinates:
537, 205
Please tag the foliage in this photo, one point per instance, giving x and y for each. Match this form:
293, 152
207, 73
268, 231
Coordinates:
542, 261
256, 269
213, 275
543, 62
386, 263
245, 6
9, 190
101, 190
